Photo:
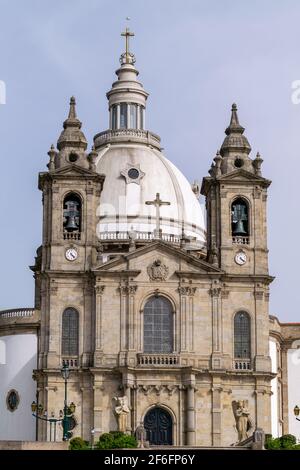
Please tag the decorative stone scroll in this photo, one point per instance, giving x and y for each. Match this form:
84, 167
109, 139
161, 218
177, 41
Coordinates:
158, 271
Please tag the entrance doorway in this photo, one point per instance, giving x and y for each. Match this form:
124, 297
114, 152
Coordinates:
159, 426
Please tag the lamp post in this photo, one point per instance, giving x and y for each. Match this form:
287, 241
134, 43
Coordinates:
65, 372
39, 413
297, 412
64, 415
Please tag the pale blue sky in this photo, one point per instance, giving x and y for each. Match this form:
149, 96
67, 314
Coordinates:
195, 58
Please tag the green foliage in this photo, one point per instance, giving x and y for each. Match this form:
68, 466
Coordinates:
77, 443
287, 442
116, 440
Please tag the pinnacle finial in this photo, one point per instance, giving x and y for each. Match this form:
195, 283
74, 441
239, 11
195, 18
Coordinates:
234, 125
235, 139
72, 112
72, 135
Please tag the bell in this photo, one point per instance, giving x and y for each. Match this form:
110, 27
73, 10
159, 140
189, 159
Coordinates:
71, 224
239, 228
238, 217
72, 216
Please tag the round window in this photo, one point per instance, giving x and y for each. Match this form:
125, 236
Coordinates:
12, 400
73, 157
133, 173
238, 162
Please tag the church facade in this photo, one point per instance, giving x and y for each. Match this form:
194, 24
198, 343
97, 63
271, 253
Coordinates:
162, 320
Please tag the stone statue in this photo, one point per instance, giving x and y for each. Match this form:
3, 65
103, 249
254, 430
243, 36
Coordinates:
122, 410
258, 439
141, 436
242, 417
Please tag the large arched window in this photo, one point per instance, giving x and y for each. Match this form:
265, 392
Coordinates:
242, 336
72, 214
70, 332
240, 218
158, 326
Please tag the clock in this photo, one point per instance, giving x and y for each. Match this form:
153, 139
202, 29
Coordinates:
71, 254
240, 258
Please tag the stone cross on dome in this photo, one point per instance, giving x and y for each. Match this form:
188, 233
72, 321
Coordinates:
128, 55
157, 203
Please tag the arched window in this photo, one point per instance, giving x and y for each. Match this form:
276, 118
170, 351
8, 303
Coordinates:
72, 213
70, 332
158, 326
240, 218
242, 336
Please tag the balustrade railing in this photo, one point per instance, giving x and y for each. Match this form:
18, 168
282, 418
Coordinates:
72, 235
119, 134
158, 360
17, 313
146, 236
239, 240
242, 364
71, 362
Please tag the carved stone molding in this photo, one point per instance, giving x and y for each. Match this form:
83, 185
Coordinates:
99, 290
187, 290
258, 294
53, 290
99, 387
256, 193
225, 293
159, 389
158, 271
51, 388
215, 291
125, 290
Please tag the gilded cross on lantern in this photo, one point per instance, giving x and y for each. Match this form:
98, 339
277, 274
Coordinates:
127, 34
157, 203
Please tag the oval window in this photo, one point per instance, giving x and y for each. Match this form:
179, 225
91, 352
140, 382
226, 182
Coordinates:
12, 400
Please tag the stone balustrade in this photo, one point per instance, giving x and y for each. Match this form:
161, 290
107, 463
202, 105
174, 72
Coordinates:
144, 236
162, 360
129, 135
242, 364
239, 240
71, 362
72, 235
17, 313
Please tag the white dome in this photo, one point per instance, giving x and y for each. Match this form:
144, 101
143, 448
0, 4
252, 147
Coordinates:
123, 200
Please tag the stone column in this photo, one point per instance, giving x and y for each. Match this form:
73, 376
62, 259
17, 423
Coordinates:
98, 326
98, 389
216, 415
284, 388
132, 318
262, 359
215, 293
186, 318
190, 416
263, 407
128, 115
138, 116
86, 411
183, 319
118, 116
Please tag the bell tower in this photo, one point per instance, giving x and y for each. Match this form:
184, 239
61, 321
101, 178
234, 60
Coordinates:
71, 196
236, 197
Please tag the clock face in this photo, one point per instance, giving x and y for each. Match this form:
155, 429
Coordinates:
240, 258
71, 254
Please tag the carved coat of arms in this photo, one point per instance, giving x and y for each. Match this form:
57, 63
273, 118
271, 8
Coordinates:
158, 271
